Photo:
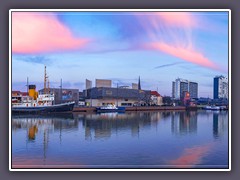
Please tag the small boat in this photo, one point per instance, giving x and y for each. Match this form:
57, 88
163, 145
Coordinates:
110, 108
212, 108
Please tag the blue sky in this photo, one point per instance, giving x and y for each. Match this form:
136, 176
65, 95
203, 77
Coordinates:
158, 47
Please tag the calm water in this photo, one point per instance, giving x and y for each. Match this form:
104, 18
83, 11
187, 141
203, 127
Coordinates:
195, 139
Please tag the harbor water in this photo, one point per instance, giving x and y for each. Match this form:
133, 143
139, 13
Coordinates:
163, 139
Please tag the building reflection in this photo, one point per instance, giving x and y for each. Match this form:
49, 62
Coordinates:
40, 127
96, 126
48, 135
103, 125
184, 122
219, 124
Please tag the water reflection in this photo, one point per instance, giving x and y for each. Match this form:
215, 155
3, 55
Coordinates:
219, 124
141, 138
103, 125
183, 123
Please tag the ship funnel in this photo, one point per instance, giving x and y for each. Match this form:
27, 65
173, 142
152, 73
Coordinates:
32, 91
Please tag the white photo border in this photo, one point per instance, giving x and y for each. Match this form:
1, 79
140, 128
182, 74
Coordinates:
118, 10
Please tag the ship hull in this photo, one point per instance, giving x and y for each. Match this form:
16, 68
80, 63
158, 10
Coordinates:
65, 107
103, 110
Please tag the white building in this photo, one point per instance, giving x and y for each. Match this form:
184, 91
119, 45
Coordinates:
156, 98
179, 86
220, 87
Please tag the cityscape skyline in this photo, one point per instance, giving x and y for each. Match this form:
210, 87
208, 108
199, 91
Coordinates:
120, 46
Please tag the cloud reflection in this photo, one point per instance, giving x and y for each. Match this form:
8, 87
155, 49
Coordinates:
191, 156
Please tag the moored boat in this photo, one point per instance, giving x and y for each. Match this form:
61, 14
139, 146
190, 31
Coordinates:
212, 108
39, 109
32, 102
110, 108
44, 103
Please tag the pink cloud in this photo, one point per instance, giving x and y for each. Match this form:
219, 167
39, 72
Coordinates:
41, 32
183, 19
186, 54
171, 33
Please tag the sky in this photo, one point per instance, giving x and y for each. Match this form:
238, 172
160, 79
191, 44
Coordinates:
121, 46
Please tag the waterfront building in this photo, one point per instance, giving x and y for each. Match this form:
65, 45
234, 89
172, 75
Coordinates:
186, 98
179, 86
220, 87
19, 93
63, 95
100, 96
156, 98
193, 89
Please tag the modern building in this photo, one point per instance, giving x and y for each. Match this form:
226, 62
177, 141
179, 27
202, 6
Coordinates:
100, 96
103, 83
180, 86
63, 95
88, 84
193, 89
220, 87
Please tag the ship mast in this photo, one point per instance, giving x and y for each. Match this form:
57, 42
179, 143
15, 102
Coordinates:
45, 80
27, 86
48, 89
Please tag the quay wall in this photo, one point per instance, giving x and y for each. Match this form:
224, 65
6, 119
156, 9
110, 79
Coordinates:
135, 108
155, 108
84, 109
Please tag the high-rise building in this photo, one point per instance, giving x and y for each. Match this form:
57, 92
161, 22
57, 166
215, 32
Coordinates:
180, 86
220, 87
193, 89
